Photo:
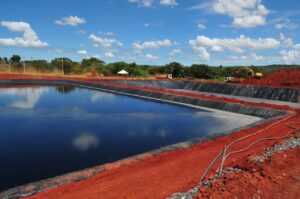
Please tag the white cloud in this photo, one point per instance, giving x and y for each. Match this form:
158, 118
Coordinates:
216, 48
153, 3
290, 57
29, 39
56, 50
109, 33
249, 21
82, 52
143, 3
175, 52
286, 42
236, 44
202, 53
251, 57
109, 55
152, 44
103, 42
287, 25
80, 32
201, 26
171, 3
70, 21
245, 13
146, 25
150, 56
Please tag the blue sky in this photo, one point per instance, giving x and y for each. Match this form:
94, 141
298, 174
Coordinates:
215, 32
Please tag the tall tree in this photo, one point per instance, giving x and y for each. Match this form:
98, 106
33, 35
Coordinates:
92, 62
15, 59
5, 60
200, 71
63, 63
174, 68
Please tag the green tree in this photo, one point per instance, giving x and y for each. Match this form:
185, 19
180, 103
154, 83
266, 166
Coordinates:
92, 62
174, 68
5, 60
15, 59
200, 71
62, 63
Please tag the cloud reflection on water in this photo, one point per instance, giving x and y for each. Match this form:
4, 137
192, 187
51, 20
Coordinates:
85, 141
104, 97
29, 96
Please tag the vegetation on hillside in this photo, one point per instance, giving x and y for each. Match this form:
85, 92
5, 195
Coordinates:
64, 65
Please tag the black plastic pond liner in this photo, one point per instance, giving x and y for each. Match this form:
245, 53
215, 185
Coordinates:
263, 92
280, 94
166, 84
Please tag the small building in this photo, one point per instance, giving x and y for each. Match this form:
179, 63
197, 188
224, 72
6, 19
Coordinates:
123, 73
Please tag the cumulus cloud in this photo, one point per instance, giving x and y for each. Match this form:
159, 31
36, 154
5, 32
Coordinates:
201, 26
245, 13
29, 39
143, 3
175, 52
171, 3
70, 21
287, 25
238, 44
105, 43
290, 57
152, 3
152, 44
286, 42
109, 55
150, 56
109, 33
82, 52
202, 53
80, 32
251, 57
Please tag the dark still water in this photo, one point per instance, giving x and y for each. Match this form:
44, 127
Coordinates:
47, 131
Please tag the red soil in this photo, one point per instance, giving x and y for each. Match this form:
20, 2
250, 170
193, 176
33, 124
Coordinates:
170, 172
278, 177
282, 77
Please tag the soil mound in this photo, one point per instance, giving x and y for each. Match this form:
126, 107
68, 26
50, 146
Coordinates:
282, 77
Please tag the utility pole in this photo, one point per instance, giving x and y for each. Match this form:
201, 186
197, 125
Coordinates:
62, 66
24, 66
9, 66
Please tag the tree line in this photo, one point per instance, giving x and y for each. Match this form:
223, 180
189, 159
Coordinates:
94, 65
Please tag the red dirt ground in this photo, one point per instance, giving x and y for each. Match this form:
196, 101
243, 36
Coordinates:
282, 171
282, 77
170, 172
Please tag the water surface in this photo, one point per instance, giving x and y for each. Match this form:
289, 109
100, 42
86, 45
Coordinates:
46, 131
